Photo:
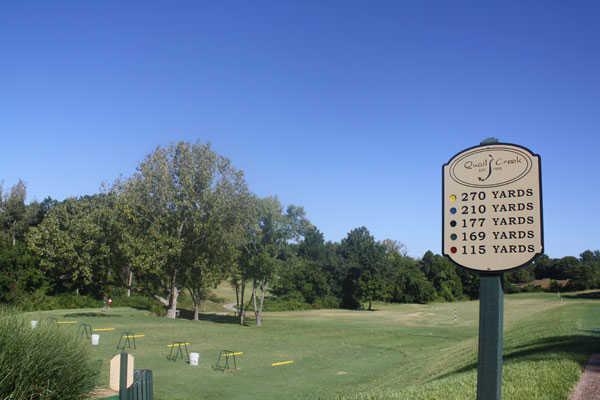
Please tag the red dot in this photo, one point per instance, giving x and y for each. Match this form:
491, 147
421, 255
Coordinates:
453, 250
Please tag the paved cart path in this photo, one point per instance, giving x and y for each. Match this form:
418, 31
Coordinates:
588, 387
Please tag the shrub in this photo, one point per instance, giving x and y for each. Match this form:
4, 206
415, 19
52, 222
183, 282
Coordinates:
43, 363
327, 302
286, 304
40, 301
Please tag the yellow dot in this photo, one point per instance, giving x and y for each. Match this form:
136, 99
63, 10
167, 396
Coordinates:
452, 198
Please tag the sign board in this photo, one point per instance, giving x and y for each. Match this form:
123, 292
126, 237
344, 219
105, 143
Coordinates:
492, 207
115, 369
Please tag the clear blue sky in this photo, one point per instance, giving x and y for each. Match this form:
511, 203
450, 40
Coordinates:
346, 108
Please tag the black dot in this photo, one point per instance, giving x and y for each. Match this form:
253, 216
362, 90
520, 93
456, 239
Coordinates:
452, 223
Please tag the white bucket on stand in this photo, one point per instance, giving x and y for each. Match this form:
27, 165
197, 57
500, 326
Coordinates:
34, 324
194, 358
95, 339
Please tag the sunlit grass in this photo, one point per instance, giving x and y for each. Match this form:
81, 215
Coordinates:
403, 351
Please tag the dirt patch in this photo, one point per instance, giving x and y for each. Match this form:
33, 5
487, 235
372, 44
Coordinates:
588, 387
102, 393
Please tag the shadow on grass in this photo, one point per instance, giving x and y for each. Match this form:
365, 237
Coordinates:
212, 317
589, 295
91, 314
579, 346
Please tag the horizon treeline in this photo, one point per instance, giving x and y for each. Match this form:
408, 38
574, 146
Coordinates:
186, 222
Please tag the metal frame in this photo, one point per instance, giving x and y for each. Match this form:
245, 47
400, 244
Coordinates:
85, 330
227, 354
129, 339
174, 354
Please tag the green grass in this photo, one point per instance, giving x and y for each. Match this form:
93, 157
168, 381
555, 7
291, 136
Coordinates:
397, 352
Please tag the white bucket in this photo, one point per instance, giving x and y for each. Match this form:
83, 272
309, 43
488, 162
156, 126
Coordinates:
95, 339
34, 324
194, 358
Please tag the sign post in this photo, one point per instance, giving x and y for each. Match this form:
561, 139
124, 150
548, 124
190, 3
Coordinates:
492, 222
491, 314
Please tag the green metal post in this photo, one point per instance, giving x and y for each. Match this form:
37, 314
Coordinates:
491, 322
123, 394
491, 315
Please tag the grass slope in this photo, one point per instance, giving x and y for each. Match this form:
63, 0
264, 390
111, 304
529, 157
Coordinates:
398, 352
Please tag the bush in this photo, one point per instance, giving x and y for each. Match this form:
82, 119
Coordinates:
327, 302
43, 363
40, 301
291, 304
296, 303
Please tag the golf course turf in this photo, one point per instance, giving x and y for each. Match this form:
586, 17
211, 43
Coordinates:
399, 351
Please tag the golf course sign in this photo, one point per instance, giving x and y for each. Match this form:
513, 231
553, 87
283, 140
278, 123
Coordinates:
492, 207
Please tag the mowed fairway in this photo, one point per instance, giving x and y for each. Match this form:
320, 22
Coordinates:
399, 351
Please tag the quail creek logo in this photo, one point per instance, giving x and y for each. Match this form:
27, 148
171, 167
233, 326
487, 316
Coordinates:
490, 167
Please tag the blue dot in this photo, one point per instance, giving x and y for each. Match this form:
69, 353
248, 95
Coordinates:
453, 210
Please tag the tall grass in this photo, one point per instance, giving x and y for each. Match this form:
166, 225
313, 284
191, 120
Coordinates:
42, 363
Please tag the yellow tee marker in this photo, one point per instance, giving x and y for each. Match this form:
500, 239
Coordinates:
277, 364
178, 344
66, 322
103, 329
133, 336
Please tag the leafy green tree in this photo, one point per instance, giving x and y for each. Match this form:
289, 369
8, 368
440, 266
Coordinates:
364, 262
265, 244
521, 275
218, 231
469, 281
76, 247
442, 273
301, 279
180, 210
13, 212
590, 257
19, 272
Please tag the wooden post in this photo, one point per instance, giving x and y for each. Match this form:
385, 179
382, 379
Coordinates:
491, 315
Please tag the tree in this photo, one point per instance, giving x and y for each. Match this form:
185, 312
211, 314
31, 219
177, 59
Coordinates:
303, 280
179, 210
394, 247
590, 257
76, 246
304, 276
20, 273
13, 212
364, 259
442, 273
218, 228
264, 246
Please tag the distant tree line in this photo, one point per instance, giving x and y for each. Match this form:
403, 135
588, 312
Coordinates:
186, 222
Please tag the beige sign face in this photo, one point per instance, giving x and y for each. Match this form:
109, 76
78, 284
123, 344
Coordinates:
492, 215
115, 370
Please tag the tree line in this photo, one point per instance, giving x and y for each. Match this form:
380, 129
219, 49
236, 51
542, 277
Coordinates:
186, 222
